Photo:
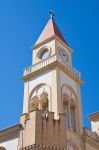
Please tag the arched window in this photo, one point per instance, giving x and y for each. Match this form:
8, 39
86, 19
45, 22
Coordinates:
69, 101
73, 117
65, 107
44, 54
39, 98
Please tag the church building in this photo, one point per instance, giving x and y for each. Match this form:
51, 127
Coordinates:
52, 108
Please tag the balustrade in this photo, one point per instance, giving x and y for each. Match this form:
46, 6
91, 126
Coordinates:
48, 61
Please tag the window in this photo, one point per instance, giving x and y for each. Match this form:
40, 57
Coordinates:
39, 98
69, 107
73, 118
67, 119
44, 54
39, 102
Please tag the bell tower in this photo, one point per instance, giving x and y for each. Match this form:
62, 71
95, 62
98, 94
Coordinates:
52, 84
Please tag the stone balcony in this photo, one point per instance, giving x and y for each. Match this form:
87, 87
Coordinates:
49, 61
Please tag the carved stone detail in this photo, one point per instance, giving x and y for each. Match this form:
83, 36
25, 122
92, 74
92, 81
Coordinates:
39, 102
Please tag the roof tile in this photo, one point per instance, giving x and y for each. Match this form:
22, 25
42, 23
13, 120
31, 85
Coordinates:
50, 30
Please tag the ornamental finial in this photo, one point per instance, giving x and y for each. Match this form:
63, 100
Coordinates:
51, 14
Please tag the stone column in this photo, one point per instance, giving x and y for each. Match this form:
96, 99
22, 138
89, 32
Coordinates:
39, 106
76, 119
69, 115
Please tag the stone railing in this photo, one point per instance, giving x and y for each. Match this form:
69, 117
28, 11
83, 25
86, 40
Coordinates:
48, 61
40, 65
89, 133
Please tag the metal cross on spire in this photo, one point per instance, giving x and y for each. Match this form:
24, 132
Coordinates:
51, 14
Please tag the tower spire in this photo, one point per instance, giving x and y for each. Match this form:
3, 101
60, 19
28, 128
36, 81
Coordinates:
50, 30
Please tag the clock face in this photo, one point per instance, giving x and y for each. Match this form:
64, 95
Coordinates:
63, 54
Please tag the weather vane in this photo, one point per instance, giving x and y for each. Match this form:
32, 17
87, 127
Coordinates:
51, 14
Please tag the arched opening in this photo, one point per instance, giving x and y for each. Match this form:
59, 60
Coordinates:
65, 107
39, 98
44, 101
69, 107
73, 118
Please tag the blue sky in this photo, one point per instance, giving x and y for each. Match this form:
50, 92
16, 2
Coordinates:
21, 22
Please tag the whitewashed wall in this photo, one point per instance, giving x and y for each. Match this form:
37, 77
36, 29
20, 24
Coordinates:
10, 142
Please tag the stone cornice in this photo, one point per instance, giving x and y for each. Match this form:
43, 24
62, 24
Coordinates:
94, 116
10, 130
49, 39
44, 146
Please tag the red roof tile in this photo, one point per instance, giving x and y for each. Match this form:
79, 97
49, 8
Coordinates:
50, 30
